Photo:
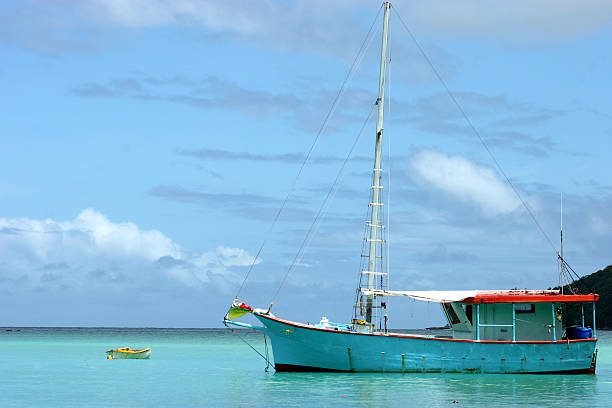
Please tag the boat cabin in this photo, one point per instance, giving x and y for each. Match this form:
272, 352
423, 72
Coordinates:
510, 315
516, 316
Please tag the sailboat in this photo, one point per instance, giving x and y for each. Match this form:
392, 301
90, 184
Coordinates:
493, 331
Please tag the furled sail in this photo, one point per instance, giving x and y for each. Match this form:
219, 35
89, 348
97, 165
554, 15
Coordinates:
430, 296
237, 310
445, 296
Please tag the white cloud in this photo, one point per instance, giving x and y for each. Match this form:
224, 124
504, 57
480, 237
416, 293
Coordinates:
304, 25
307, 25
316, 26
517, 21
465, 180
301, 264
233, 257
547, 18
121, 238
229, 15
93, 250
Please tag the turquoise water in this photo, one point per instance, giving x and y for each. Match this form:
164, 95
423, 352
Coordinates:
66, 367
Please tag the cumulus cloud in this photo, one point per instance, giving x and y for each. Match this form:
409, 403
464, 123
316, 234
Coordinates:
465, 180
93, 250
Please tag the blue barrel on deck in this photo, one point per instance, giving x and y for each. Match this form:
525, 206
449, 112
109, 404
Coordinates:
583, 333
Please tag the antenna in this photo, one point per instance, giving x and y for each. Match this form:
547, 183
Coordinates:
562, 277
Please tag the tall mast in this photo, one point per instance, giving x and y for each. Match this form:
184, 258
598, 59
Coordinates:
375, 205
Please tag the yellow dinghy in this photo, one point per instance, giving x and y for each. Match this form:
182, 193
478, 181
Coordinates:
127, 352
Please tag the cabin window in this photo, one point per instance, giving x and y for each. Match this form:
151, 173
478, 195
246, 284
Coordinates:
468, 312
450, 313
524, 307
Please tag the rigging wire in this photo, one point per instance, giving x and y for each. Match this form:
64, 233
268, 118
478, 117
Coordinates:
475, 131
266, 357
389, 170
356, 62
316, 223
577, 277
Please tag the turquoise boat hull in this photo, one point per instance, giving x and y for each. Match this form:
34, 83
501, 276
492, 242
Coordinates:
300, 347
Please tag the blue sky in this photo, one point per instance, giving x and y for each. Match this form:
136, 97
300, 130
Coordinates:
146, 146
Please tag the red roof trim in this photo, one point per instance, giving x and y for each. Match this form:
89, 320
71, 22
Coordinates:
407, 336
527, 298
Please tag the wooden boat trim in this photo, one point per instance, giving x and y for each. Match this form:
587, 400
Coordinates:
128, 350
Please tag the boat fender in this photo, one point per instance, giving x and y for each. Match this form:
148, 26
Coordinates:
109, 357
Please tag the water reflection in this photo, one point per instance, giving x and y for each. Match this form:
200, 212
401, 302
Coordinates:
430, 389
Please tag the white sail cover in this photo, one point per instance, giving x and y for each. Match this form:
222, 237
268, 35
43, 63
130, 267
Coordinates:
440, 296
444, 296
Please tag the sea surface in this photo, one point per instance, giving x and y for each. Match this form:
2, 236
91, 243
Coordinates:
67, 367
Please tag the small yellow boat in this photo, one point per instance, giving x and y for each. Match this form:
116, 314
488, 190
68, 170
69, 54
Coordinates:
127, 352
